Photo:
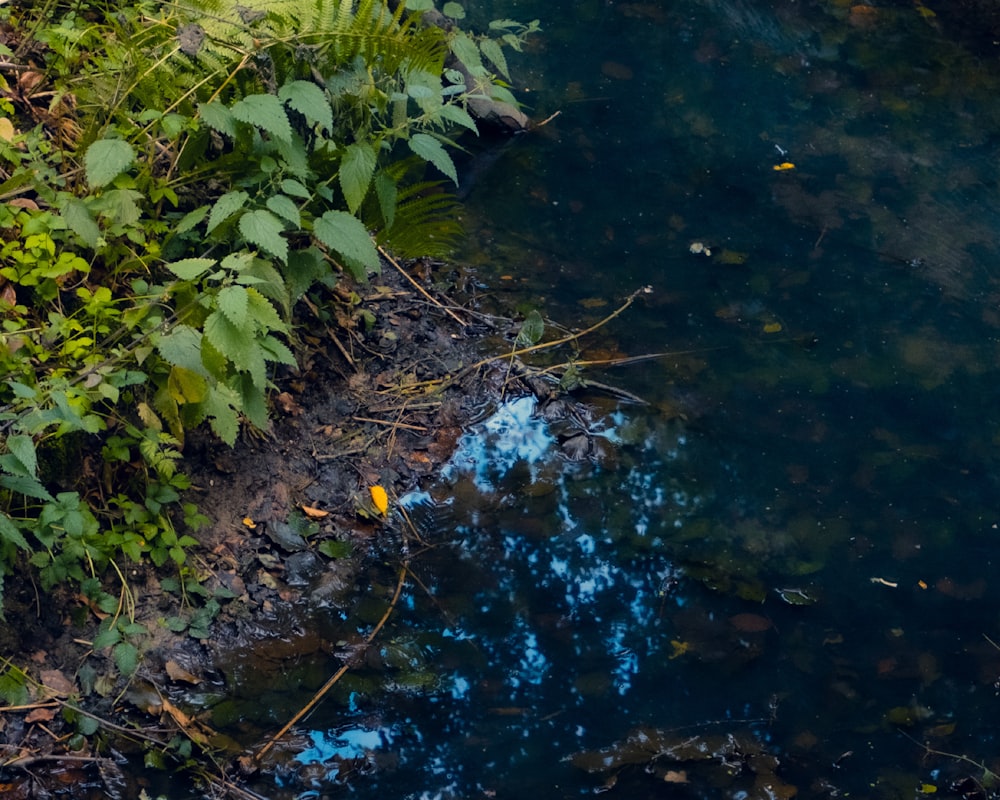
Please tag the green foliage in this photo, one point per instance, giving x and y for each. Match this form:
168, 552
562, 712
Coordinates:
211, 163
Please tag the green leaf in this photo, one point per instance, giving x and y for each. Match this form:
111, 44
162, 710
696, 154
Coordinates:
187, 269
218, 118
531, 330
305, 268
81, 221
276, 350
126, 657
192, 219
29, 487
430, 149
334, 549
225, 207
285, 208
222, 410
9, 532
310, 101
232, 301
253, 401
419, 5
262, 312
264, 111
356, 170
453, 10
387, 193
465, 50
105, 160
230, 340
186, 386
182, 348
459, 116
121, 206
263, 229
23, 448
345, 234
494, 54
295, 188
106, 638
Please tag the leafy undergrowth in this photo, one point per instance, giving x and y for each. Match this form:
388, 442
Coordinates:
194, 198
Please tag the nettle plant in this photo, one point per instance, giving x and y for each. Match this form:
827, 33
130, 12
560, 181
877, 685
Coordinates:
194, 170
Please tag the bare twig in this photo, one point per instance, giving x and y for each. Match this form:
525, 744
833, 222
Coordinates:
421, 289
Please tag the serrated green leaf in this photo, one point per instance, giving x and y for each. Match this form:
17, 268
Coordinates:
431, 150
419, 5
228, 339
459, 116
232, 301
218, 117
23, 448
310, 101
531, 330
222, 410
356, 170
225, 207
285, 208
465, 50
494, 54
346, 235
9, 532
121, 206
295, 188
264, 111
29, 487
305, 268
269, 282
186, 386
87, 726
187, 269
263, 314
263, 229
105, 160
253, 400
182, 348
106, 638
126, 657
81, 221
276, 350
453, 10
192, 219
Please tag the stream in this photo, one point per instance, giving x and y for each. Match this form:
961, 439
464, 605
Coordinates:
775, 578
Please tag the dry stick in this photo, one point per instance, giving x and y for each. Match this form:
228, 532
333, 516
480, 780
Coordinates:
392, 424
339, 673
421, 289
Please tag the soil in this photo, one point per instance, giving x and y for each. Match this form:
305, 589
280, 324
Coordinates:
383, 392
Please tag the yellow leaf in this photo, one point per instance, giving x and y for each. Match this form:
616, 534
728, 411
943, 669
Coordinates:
928, 788
249, 523
783, 166
680, 648
7, 131
772, 327
314, 513
380, 499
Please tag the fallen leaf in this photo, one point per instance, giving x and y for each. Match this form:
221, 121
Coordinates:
41, 715
380, 499
7, 131
314, 513
56, 684
177, 673
675, 776
772, 327
750, 623
249, 523
784, 165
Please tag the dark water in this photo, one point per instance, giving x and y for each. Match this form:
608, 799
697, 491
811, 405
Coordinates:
782, 569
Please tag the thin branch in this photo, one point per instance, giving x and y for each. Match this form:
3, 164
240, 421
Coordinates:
421, 289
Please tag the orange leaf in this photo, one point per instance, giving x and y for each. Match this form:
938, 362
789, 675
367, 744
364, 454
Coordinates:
249, 523
783, 166
314, 513
380, 499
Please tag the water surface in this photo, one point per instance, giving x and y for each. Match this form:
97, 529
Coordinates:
784, 562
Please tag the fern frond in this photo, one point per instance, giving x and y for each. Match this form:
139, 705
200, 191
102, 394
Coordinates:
426, 222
